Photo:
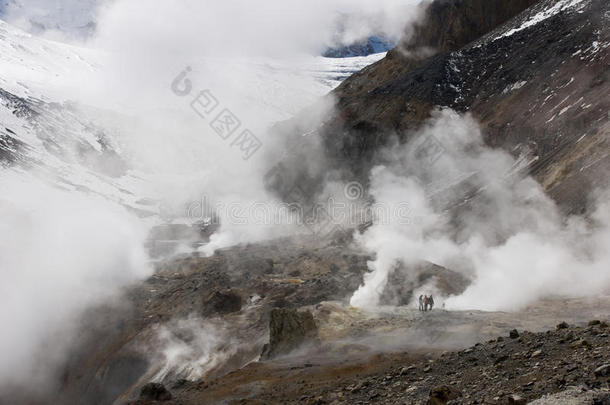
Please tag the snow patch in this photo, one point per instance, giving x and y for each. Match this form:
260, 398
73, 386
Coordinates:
514, 86
560, 6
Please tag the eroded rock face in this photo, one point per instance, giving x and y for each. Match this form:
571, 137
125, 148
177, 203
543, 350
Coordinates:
222, 303
288, 329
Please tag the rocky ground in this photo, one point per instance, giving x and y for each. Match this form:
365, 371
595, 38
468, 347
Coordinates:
271, 323
228, 300
565, 365
523, 365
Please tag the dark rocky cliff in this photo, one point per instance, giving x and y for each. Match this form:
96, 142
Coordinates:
541, 87
446, 26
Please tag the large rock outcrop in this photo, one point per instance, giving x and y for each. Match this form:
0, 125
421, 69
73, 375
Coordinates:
288, 330
222, 303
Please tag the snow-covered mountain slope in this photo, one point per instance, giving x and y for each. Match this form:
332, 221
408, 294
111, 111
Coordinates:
74, 18
41, 132
35, 67
46, 136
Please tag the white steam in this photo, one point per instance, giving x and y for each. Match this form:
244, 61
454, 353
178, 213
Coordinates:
249, 57
63, 251
60, 253
191, 348
473, 213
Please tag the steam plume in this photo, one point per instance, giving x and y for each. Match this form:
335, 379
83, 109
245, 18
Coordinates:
475, 214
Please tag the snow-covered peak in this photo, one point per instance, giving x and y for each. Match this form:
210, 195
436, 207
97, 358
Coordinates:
68, 18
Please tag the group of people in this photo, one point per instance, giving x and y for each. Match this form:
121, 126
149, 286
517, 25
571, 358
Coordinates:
426, 303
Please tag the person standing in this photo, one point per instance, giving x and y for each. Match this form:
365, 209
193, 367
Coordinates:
421, 302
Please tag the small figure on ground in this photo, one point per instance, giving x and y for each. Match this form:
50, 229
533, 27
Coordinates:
421, 302
431, 302
426, 303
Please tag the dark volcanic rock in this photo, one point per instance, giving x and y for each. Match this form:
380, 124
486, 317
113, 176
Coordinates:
603, 370
441, 395
155, 392
288, 329
516, 400
594, 322
222, 302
